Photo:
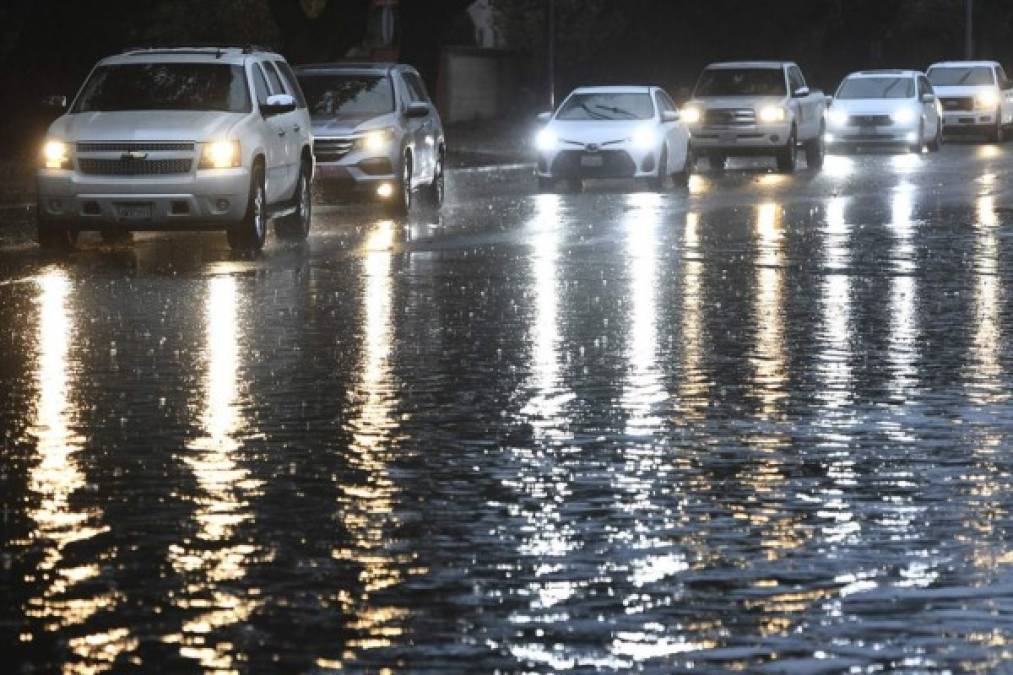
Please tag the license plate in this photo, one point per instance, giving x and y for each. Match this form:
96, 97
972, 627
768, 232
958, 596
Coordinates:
591, 160
133, 211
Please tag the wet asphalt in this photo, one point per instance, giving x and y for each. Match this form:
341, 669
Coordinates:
760, 424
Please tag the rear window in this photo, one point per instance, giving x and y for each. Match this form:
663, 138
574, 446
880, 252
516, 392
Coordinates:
329, 95
973, 76
165, 86
607, 106
741, 82
877, 87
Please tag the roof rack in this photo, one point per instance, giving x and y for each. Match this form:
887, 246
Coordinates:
200, 48
359, 65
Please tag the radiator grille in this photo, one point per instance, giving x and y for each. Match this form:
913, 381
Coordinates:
134, 167
332, 149
154, 146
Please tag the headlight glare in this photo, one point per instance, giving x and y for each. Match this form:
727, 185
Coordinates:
220, 155
838, 118
986, 99
546, 140
56, 155
376, 141
691, 115
903, 116
772, 113
644, 138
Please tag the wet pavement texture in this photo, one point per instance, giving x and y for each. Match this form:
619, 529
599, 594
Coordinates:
761, 424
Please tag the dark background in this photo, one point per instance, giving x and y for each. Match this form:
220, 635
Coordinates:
48, 46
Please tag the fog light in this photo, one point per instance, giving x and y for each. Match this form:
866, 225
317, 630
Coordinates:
385, 190
222, 204
828, 138
774, 138
912, 137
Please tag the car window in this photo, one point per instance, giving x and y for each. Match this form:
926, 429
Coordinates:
272, 77
876, 87
961, 76
416, 90
165, 86
337, 94
664, 103
607, 106
925, 86
1001, 77
292, 82
795, 79
741, 82
260, 85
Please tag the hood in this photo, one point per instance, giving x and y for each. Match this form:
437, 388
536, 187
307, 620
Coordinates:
755, 102
346, 125
597, 131
963, 90
145, 125
873, 106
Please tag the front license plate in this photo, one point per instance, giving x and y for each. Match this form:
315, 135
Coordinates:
133, 211
591, 160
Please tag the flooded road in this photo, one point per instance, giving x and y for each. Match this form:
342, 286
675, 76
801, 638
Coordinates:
763, 424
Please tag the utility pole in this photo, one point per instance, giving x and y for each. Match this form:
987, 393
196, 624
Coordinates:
550, 23
968, 29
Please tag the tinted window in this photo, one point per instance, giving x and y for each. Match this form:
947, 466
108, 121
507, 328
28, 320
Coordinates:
272, 77
165, 86
416, 90
924, 86
330, 95
961, 76
741, 82
664, 103
260, 85
795, 78
607, 106
877, 87
292, 82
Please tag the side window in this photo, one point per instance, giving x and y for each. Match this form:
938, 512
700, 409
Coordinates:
260, 85
272, 76
795, 79
924, 86
1001, 78
416, 90
664, 103
292, 82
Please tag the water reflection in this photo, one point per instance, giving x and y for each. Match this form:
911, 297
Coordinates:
368, 500
986, 344
768, 357
694, 386
53, 481
219, 556
903, 334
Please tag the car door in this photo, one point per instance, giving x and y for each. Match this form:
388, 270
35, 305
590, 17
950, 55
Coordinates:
274, 140
675, 132
804, 112
425, 130
930, 109
1006, 94
302, 126
289, 130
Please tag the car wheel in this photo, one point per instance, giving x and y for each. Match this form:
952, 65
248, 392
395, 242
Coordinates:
787, 158
117, 237
53, 236
999, 133
718, 161
296, 226
681, 178
657, 183
546, 185
402, 204
917, 146
936, 144
815, 152
251, 232
576, 185
437, 190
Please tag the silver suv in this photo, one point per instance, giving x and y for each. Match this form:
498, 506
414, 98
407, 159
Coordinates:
206, 138
375, 131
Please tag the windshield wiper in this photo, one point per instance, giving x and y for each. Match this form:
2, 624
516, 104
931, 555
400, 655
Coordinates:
616, 111
963, 78
592, 113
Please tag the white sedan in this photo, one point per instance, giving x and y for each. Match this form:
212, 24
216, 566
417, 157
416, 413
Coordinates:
614, 132
885, 107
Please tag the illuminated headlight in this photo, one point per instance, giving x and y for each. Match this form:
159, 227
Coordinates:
986, 99
56, 155
376, 141
546, 140
644, 139
903, 116
691, 115
912, 137
838, 118
220, 155
772, 113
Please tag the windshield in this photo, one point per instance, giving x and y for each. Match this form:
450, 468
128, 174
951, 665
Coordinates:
741, 82
165, 86
958, 77
336, 95
877, 87
607, 106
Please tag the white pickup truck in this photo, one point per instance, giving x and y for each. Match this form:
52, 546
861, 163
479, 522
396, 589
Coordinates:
976, 97
756, 108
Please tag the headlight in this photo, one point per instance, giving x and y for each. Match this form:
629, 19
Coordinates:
986, 99
644, 138
691, 115
220, 155
903, 116
56, 155
376, 141
772, 113
838, 118
546, 140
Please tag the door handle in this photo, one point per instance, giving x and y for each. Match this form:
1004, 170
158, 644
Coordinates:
297, 128
281, 132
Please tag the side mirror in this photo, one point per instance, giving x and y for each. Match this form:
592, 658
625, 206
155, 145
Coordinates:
928, 98
544, 117
56, 102
801, 92
417, 109
670, 116
277, 105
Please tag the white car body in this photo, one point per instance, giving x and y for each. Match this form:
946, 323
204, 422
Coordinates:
911, 120
615, 148
729, 125
986, 107
144, 169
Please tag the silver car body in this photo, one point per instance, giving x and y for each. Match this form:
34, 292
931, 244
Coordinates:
141, 169
973, 108
910, 120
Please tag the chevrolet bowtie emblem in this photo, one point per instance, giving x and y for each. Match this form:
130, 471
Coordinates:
134, 155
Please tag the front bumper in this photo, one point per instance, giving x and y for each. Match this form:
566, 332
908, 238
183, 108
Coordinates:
891, 135
206, 199
742, 139
613, 161
969, 121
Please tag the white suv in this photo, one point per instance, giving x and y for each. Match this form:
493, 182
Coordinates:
976, 97
206, 138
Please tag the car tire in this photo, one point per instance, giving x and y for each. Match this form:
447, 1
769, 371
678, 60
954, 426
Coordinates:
787, 157
936, 144
296, 226
999, 133
401, 206
117, 237
54, 236
436, 191
916, 148
657, 183
681, 178
718, 161
250, 233
815, 152
546, 185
